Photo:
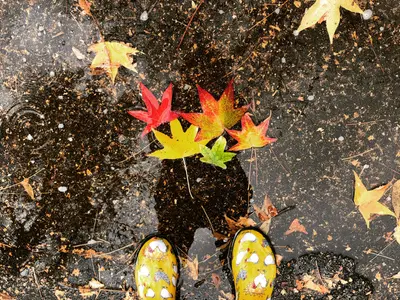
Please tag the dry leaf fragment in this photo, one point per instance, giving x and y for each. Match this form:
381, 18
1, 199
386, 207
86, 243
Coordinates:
216, 280
396, 199
86, 292
95, 284
5, 296
85, 6
28, 188
58, 293
396, 276
192, 266
75, 272
295, 226
79, 55
396, 208
367, 201
110, 56
267, 211
311, 285
234, 226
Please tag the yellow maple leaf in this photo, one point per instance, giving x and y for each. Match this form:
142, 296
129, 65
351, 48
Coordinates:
328, 11
367, 201
110, 56
182, 144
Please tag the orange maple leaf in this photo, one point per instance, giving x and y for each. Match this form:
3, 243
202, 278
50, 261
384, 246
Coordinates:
217, 115
251, 135
367, 201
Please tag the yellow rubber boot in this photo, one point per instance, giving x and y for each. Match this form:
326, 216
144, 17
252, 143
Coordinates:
253, 265
156, 270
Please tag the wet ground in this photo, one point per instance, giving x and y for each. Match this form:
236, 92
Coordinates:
334, 109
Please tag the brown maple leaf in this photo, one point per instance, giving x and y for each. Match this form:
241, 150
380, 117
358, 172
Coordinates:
295, 226
243, 222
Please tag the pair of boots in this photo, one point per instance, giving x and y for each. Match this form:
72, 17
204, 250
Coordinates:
251, 258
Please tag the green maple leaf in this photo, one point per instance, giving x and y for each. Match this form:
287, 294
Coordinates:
217, 155
182, 143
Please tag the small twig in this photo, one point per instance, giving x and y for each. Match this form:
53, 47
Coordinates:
37, 283
188, 25
212, 228
187, 178
360, 154
384, 256
394, 171
379, 254
134, 154
365, 123
108, 253
277, 159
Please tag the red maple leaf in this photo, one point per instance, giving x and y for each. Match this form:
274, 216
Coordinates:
156, 114
251, 135
217, 115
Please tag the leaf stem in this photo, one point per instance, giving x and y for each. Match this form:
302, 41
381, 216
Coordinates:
187, 178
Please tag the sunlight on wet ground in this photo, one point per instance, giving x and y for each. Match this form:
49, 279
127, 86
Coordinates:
94, 184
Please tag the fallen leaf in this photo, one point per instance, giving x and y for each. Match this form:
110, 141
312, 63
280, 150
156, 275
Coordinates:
58, 293
227, 296
396, 199
78, 53
251, 136
396, 276
75, 272
295, 226
216, 155
90, 253
378, 276
110, 56
95, 284
396, 208
192, 266
217, 115
267, 211
86, 292
309, 283
5, 296
85, 6
182, 144
278, 259
156, 114
234, 226
28, 188
396, 233
367, 201
219, 236
329, 11
216, 280
265, 226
